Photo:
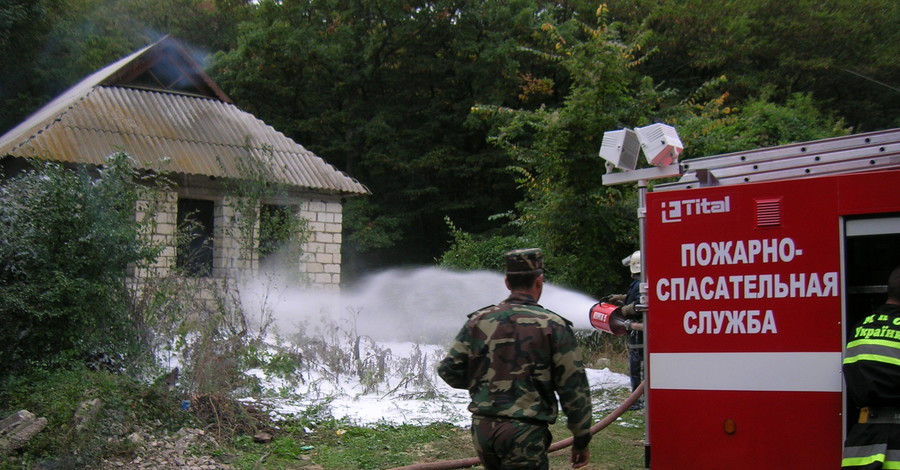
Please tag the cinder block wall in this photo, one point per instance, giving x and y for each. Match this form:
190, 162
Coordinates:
164, 227
230, 260
320, 263
321, 259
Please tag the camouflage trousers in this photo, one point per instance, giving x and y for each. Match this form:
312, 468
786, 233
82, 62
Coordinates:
511, 444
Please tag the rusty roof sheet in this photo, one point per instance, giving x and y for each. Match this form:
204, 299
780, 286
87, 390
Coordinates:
161, 130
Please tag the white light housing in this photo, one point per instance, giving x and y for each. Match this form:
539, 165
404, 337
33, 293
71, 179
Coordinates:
621, 148
660, 143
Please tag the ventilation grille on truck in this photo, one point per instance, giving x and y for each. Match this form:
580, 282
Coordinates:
768, 212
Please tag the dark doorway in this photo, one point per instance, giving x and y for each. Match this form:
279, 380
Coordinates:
871, 252
195, 246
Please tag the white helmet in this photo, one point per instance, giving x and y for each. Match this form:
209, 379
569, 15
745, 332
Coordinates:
633, 262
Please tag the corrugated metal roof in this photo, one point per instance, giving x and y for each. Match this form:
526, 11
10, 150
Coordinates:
195, 135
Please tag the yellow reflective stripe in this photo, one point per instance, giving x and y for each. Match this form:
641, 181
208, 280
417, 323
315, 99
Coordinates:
861, 461
869, 459
878, 350
874, 342
874, 358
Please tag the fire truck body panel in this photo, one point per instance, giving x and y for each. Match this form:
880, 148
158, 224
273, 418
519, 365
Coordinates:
746, 323
770, 430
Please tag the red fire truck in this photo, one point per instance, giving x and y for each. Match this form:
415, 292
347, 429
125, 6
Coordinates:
756, 264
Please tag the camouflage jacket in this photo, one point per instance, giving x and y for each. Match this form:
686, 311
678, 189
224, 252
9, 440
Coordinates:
515, 358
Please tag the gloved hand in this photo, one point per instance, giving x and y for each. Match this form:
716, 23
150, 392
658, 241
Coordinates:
616, 299
628, 311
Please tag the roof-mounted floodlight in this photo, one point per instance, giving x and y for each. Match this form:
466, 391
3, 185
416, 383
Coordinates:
660, 143
620, 149
661, 146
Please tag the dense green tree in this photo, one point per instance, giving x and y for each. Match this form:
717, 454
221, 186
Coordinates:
586, 227
841, 52
712, 127
23, 24
383, 89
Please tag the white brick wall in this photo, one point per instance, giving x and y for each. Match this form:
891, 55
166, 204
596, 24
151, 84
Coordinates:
321, 259
165, 206
320, 263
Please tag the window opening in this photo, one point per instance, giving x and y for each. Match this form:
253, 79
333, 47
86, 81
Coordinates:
276, 230
195, 247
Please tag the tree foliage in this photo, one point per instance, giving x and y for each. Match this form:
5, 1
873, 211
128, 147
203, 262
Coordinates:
49, 45
472, 108
66, 239
587, 227
713, 128
472, 252
583, 225
383, 90
843, 53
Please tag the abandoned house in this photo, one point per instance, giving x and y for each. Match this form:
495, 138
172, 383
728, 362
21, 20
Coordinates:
159, 107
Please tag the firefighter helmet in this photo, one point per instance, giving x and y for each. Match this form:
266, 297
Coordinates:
634, 262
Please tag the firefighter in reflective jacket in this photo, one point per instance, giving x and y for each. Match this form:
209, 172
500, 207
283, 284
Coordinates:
635, 339
872, 372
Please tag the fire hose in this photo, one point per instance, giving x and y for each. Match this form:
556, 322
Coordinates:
472, 461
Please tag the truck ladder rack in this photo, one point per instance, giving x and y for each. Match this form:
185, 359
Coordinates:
840, 155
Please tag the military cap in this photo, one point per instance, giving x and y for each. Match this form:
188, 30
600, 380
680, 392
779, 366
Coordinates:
524, 260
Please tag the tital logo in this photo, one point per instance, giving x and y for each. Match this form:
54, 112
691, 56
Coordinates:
676, 211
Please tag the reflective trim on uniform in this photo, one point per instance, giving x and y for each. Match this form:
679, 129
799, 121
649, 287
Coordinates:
874, 358
861, 456
862, 343
861, 461
877, 350
892, 460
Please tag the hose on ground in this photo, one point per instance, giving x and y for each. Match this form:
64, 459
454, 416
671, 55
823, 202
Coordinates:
472, 461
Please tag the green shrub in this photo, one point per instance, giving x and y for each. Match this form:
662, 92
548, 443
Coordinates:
467, 252
67, 238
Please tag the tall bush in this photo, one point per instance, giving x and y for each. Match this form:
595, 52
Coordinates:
471, 252
66, 240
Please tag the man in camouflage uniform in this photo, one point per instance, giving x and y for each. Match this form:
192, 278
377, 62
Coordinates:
515, 358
